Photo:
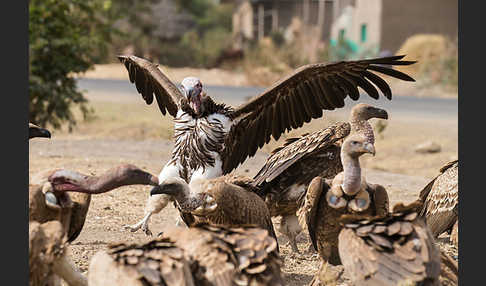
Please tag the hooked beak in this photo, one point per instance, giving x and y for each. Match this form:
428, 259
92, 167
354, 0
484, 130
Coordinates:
195, 99
370, 148
156, 190
164, 189
382, 114
39, 132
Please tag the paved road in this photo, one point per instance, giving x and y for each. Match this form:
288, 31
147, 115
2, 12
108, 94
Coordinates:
400, 106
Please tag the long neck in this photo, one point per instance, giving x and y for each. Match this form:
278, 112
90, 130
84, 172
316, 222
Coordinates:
362, 126
352, 174
109, 181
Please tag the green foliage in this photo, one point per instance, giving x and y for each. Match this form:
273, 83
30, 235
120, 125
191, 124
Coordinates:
203, 45
65, 37
204, 51
135, 26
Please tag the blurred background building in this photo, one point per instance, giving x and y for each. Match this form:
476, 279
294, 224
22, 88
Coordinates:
362, 24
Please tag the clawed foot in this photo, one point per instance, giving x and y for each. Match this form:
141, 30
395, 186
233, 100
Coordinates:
146, 229
132, 228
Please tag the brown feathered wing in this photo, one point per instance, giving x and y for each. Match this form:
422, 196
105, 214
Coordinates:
295, 149
309, 206
301, 96
440, 199
149, 80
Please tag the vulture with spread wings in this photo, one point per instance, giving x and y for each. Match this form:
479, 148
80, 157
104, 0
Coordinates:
212, 139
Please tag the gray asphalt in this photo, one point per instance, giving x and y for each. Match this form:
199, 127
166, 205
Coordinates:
400, 105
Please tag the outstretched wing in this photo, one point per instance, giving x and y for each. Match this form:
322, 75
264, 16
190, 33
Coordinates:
300, 97
295, 149
440, 199
149, 80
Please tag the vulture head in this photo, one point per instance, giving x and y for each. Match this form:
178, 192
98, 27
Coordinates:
193, 91
36, 131
355, 146
364, 112
190, 198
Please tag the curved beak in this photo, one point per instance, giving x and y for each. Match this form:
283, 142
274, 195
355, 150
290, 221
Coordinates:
193, 95
35, 131
370, 148
156, 190
381, 113
163, 189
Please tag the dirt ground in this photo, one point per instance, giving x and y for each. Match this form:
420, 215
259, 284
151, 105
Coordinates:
129, 132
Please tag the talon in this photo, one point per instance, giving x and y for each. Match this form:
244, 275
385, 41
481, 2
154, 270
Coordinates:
146, 230
132, 228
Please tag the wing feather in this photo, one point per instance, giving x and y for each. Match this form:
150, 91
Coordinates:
302, 95
307, 212
149, 80
440, 199
292, 152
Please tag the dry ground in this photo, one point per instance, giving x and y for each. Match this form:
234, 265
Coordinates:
128, 131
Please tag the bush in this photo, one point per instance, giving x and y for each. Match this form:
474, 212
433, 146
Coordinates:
203, 45
65, 37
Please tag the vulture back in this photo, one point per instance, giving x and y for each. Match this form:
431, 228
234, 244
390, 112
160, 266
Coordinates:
395, 249
199, 255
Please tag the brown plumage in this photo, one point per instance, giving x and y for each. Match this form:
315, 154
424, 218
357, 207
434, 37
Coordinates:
200, 255
395, 249
234, 134
325, 201
288, 171
440, 201
36, 131
49, 198
47, 256
226, 200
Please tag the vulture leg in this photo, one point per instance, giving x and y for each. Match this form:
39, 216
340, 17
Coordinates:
455, 234
143, 222
155, 204
289, 226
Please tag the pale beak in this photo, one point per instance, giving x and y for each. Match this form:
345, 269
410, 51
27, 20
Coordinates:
370, 148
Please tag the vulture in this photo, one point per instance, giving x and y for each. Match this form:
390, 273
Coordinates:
48, 259
226, 200
289, 169
36, 131
51, 194
199, 255
440, 200
394, 249
212, 139
326, 200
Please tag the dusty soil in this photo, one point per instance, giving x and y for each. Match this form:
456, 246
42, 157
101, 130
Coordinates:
123, 132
